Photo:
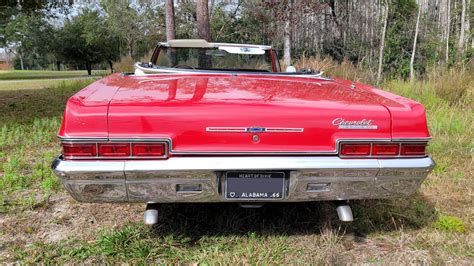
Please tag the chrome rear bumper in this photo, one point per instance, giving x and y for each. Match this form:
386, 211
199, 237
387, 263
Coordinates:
201, 179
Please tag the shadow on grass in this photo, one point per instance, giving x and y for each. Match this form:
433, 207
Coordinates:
200, 220
24, 106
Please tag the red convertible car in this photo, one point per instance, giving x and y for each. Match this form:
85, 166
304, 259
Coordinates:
219, 122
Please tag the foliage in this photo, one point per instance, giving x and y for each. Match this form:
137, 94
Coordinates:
344, 31
450, 224
399, 38
125, 64
137, 28
30, 35
85, 40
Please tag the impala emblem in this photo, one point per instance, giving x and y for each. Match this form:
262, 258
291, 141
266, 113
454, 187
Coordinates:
341, 123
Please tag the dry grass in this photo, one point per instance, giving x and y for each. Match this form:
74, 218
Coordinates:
125, 64
343, 70
40, 223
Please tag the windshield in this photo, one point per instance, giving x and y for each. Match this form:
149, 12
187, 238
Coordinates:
215, 59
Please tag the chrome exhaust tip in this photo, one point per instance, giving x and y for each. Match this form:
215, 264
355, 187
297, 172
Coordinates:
344, 212
151, 214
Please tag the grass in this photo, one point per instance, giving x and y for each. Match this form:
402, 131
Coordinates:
45, 74
450, 224
33, 84
41, 224
29, 79
29, 122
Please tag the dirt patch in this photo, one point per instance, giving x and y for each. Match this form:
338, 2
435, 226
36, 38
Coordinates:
61, 218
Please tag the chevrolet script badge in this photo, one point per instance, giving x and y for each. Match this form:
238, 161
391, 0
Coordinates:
341, 123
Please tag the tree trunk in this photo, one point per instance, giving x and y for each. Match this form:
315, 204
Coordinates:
382, 44
89, 68
111, 65
413, 52
448, 22
170, 29
203, 26
58, 65
287, 35
21, 61
463, 27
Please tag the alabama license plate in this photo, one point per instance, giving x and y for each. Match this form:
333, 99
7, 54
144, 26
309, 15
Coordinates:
254, 185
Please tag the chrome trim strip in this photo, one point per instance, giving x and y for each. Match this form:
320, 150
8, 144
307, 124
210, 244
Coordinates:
217, 44
257, 129
69, 140
147, 71
413, 139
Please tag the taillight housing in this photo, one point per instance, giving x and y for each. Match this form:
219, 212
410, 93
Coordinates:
385, 149
409, 149
148, 149
355, 149
115, 150
79, 150
382, 149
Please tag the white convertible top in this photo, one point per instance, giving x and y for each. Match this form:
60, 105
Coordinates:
200, 43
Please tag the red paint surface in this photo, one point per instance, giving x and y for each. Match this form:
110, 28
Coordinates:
180, 107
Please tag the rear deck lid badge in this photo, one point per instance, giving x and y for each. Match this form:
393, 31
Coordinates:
341, 123
255, 129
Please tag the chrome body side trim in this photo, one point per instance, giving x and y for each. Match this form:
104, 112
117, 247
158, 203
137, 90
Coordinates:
308, 178
255, 129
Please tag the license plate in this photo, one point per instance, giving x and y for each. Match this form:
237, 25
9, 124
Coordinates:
254, 185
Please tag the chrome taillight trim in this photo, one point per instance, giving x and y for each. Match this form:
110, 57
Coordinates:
127, 141
399, 143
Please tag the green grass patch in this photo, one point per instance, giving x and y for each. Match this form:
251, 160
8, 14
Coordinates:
33, 84
46, 74
29, 121
137, 243
450, 223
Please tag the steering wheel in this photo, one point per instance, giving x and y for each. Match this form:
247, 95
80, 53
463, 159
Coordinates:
183, 66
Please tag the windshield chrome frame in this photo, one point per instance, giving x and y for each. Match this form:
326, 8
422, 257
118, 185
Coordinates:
168, 70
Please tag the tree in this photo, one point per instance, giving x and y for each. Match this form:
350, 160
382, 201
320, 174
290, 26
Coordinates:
448, 24
97, 36
170, 26
463, 27
122, 20
10, 10
85, 40
412, 59
382, 44
202, 14
399, 42
287, 33
30, 36
138, 27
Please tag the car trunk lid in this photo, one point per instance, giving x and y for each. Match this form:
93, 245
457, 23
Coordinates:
215, 114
